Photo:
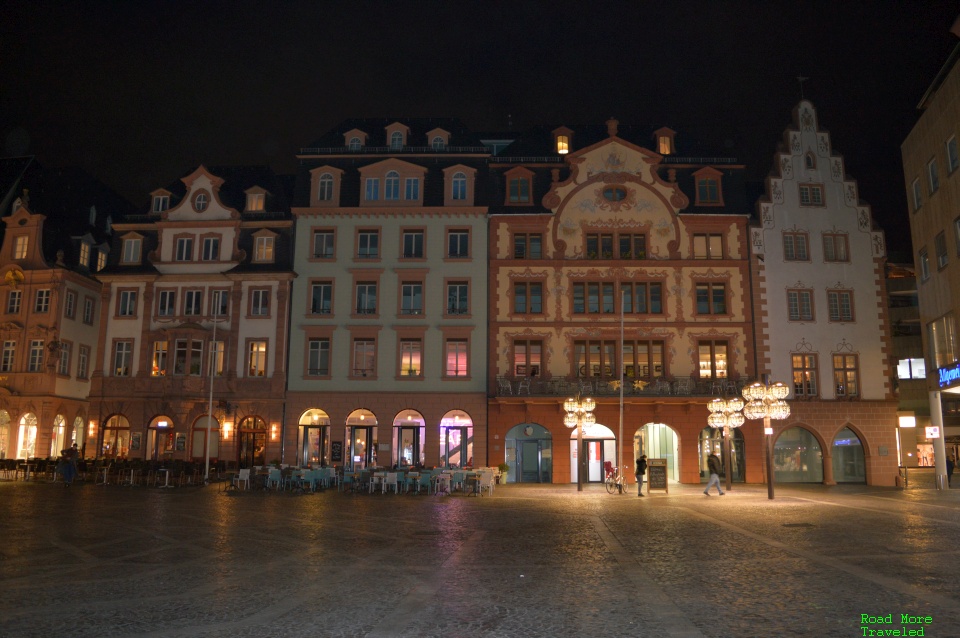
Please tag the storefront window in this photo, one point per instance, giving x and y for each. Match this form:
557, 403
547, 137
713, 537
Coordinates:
797, 457
116, 437
848, 461
27, 439
456, 439
409, 429
4, 432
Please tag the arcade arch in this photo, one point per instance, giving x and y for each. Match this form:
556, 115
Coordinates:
529, 453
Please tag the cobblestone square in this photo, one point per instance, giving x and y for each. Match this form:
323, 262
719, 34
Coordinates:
107, 561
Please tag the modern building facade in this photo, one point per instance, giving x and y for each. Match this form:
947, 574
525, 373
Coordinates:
822, 315
931, 157
388, 317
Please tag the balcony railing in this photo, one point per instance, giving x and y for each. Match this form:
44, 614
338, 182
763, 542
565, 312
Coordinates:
598, 386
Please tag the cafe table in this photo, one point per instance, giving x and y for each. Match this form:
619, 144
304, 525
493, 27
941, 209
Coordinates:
166, 477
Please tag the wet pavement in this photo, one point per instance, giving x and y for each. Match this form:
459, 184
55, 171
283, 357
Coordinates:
529, 561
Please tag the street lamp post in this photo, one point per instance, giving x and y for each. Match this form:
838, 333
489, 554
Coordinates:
579, 414
767, 402
726, 415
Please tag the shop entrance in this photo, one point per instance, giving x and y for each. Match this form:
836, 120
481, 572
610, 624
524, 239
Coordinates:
529, 453
659, 441
599, 445
252, 442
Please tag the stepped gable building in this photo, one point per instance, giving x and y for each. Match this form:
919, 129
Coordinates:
196, 291
55, 238
822, 315
388, 360
619, 267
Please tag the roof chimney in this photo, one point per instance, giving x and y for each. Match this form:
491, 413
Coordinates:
612, 127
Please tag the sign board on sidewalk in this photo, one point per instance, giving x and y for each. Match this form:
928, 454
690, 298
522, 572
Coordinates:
657, 474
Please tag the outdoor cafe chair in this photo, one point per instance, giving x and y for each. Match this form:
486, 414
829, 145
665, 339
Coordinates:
274, 479
242, 477
486, 483
411, 479
391, 482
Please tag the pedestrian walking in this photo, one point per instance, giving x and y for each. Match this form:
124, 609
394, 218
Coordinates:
68, 463
713, 464
640, 473
951, 463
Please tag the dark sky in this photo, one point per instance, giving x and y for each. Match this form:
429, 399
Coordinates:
137, 92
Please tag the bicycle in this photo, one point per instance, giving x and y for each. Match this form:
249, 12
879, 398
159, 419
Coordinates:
614, 481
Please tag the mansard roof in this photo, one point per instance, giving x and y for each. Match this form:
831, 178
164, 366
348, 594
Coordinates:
461, 138
233, 190
74, 203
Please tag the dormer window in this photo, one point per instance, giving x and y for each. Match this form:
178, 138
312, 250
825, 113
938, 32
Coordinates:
101, 260
459, 186
709, 187
255, 202
437, 143
519, 186
263, 246
561, 140
354, 144
396, 141
84, 255
391, 185
130, 254
325, 187
665, 141
161, 203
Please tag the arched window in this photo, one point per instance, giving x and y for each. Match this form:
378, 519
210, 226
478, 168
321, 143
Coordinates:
27, 441
391, 186
797, 457
58, 440
438, 144
396, 141
409, 430
325, 188
456, 439
459, 186
354, 144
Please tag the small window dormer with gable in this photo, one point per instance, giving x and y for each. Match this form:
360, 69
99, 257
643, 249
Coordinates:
709, 187
438, 139
519, 187
160, 200
392, 182
325, 186
264, 246
664, 137
256, 200
562, 139
397, 134
355, 140
458, 185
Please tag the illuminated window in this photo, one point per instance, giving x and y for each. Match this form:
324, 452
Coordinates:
20, 245
713, 359
846, 377
257, 362
263, 251
122, 358
411, 352
708, 246
456, 358
527, 358
255, 202
804, 375
563, 144
84, 260
158, 367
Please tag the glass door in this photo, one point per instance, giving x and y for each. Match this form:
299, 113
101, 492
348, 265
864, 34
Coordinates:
362, 450
316, 446
407, 449
457, 448
251, 449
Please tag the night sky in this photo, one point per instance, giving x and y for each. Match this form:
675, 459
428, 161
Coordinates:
138, 92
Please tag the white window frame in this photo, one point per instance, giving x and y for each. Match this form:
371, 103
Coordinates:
131, 251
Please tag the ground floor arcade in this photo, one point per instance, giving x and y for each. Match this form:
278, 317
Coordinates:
367, 429
821, 442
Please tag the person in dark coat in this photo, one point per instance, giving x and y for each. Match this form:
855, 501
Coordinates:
713, 464
951, 463
640, 473
68, 461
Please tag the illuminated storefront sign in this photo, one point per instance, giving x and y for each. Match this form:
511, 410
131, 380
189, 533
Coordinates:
949, 376
933, 432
